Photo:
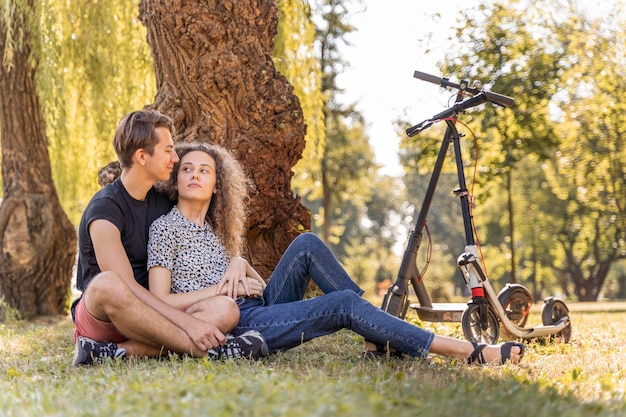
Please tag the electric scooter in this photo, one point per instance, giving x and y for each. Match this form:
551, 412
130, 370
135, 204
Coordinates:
486, 312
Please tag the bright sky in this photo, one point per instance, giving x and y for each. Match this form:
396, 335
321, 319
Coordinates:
388, 46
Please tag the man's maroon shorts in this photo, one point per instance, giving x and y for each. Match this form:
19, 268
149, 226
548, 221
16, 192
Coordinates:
89, 326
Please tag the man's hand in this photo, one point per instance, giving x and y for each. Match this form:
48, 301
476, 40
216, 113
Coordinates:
204, 335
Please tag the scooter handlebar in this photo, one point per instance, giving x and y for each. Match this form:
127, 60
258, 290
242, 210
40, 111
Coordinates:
495, 98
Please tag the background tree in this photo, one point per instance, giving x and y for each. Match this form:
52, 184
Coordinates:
331, 30
337, 174
37, 240
216, 79
295, 57
95, 66
587, 174
367, 248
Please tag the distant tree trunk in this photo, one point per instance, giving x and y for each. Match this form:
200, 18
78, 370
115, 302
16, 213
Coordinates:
509, 200
37, 241
589, 277
216, 79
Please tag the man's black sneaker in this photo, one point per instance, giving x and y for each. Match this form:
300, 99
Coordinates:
250, 345
89, 351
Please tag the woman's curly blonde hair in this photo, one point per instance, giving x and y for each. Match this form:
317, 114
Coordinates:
227, 212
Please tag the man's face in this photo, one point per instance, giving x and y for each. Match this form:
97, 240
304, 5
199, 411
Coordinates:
162, 160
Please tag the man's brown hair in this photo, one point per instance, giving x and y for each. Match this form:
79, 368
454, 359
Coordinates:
136, 131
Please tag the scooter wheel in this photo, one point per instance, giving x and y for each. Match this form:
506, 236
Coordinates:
473, 325
516, 302
553, 310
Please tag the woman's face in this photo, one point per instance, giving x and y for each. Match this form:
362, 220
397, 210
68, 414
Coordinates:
197, 177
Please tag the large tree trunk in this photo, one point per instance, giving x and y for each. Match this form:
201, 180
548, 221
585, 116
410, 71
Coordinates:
216, 79
37, 240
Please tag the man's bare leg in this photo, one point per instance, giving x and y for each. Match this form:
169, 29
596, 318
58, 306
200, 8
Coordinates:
108, 298
222, 311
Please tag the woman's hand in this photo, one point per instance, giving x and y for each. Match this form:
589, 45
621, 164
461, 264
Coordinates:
234, 277
255, 288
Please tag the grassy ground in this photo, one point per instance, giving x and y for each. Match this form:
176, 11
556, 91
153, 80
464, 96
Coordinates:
325, 377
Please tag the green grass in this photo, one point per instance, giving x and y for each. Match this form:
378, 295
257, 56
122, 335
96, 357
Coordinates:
325, 377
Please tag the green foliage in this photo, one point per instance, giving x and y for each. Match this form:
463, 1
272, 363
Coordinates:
348, 172
94, 66
295, 58
324, 377
7, 313
368, 246
16, 15
588, 171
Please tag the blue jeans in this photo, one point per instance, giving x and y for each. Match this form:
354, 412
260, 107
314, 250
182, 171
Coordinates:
286, 320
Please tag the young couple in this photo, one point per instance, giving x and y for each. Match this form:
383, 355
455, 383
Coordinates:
204, 298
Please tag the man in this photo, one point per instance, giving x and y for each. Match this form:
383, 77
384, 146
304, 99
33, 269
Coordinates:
116, 315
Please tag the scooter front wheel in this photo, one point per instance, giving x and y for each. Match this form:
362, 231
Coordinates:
473, 328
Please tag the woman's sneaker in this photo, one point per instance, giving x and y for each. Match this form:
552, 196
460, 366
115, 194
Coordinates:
89, 351
250, 345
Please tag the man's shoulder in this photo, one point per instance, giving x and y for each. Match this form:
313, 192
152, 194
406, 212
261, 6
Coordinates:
159, 197
116, 194
104, 205
111, 190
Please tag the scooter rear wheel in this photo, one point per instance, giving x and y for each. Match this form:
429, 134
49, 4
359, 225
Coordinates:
552, 311
472, 325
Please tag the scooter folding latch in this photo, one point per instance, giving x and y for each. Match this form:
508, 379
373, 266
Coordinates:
465, 259
460, 193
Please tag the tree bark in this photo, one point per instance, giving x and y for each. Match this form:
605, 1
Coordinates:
216, 79
37, 240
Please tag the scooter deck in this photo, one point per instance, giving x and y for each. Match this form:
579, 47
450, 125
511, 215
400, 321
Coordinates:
440, 312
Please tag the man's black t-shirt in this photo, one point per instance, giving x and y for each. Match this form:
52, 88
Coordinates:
132, 217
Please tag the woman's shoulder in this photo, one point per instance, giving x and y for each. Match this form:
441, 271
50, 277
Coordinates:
164, 221
171, 220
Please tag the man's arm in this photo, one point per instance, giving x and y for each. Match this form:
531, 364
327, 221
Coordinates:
111, 256
161, 280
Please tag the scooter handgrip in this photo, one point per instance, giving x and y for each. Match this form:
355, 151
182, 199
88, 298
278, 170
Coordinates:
499, 99
427, 77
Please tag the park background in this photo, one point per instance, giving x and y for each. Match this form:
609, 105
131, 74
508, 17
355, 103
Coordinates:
549, 199
548, 191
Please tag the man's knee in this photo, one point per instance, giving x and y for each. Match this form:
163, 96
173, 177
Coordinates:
220, 310
106, 289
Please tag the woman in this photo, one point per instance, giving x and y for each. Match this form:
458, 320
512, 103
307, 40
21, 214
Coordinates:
210, 187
